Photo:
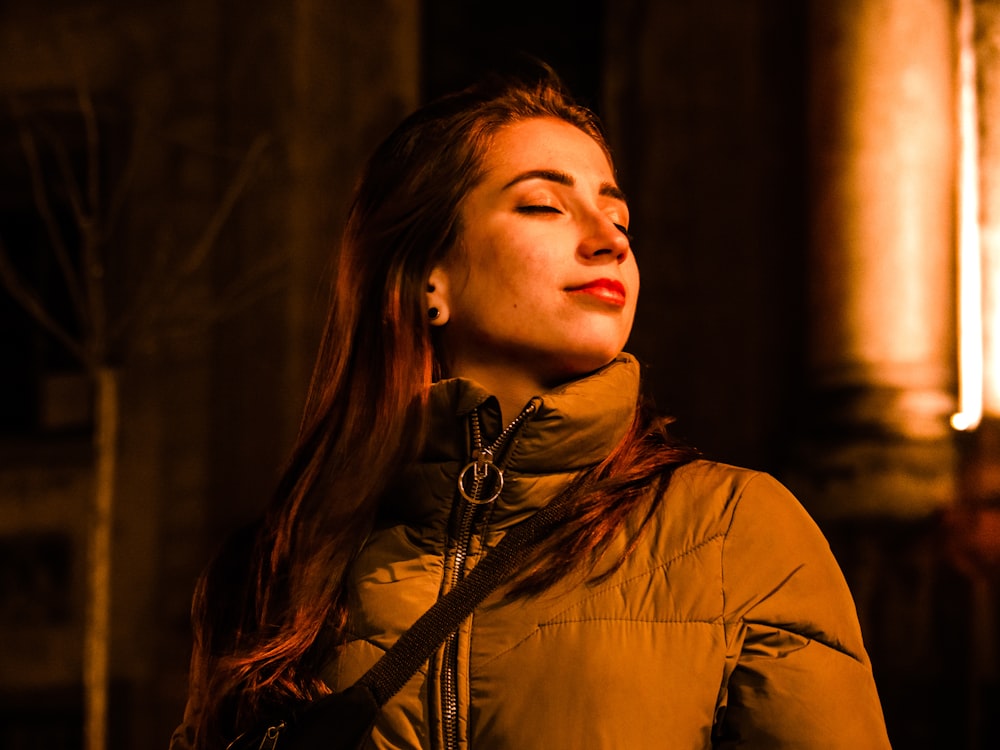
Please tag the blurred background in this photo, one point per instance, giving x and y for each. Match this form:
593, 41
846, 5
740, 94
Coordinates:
815, 190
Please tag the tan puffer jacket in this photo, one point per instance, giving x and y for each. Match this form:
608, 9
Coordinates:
729, 626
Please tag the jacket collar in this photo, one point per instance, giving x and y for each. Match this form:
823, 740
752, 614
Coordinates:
573, 427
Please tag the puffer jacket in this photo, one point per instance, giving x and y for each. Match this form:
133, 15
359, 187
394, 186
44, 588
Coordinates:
730, 625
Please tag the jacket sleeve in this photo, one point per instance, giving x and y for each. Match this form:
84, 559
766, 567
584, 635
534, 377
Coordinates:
801, 678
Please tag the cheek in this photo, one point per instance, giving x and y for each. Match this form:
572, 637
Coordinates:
485, 259
516, 272
632, 273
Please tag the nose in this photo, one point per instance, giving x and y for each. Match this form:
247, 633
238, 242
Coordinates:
603, 240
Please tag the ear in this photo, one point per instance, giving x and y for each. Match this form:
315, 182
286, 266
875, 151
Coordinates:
436, 296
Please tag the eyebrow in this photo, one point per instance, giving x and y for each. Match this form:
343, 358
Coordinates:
607, 189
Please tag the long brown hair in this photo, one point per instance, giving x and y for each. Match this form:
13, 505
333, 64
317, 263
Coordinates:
363, 416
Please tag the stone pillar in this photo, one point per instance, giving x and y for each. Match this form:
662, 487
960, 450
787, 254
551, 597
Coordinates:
981, 448
988, 69
881, 263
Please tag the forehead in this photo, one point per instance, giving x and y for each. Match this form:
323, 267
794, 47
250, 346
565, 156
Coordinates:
546, 143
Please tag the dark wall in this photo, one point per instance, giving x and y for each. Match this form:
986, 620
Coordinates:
704, 103
462, 41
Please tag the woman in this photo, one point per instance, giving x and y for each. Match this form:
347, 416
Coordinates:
485, 290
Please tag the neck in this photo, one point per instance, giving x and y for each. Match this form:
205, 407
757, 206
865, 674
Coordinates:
512, 399
512, 389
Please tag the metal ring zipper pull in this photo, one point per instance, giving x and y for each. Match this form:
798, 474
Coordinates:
482, 465
480, 471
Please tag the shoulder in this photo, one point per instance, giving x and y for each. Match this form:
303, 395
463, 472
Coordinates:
720, 496
710, 479
766, 535
777, 566
735, 511
750, 509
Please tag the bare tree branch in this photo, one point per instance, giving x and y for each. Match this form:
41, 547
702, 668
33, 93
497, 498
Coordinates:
44, 208
149, 287
159, 284
201, 248
58, 148
94, 266
31, 304
122, 188
259, 281
86, 103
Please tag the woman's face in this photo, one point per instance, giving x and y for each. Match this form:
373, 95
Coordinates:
542, 285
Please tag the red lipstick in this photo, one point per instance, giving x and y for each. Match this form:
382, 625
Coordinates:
605, 290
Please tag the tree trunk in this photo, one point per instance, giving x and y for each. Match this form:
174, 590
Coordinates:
97, 629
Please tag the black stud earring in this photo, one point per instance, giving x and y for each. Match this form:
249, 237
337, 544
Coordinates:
433, 313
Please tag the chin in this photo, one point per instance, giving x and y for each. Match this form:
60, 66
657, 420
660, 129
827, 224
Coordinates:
582, 365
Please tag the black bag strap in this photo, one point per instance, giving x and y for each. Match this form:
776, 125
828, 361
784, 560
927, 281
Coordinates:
344, 719
415, 646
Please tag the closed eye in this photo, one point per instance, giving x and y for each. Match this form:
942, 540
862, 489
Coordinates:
541, 209
624, 230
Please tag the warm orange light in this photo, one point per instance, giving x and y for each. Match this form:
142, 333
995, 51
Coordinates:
991, 333
970, 308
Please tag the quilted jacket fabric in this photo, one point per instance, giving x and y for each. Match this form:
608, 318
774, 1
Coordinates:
730, 625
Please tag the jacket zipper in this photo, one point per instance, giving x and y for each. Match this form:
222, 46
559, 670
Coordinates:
268, 740
472, 483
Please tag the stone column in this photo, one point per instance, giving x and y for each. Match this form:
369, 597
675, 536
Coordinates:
981, 449
988, 68
881, 263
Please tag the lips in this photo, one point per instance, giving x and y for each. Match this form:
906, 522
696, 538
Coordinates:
606, 290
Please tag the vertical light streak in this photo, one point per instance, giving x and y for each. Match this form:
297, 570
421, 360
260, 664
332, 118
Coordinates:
970, 322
